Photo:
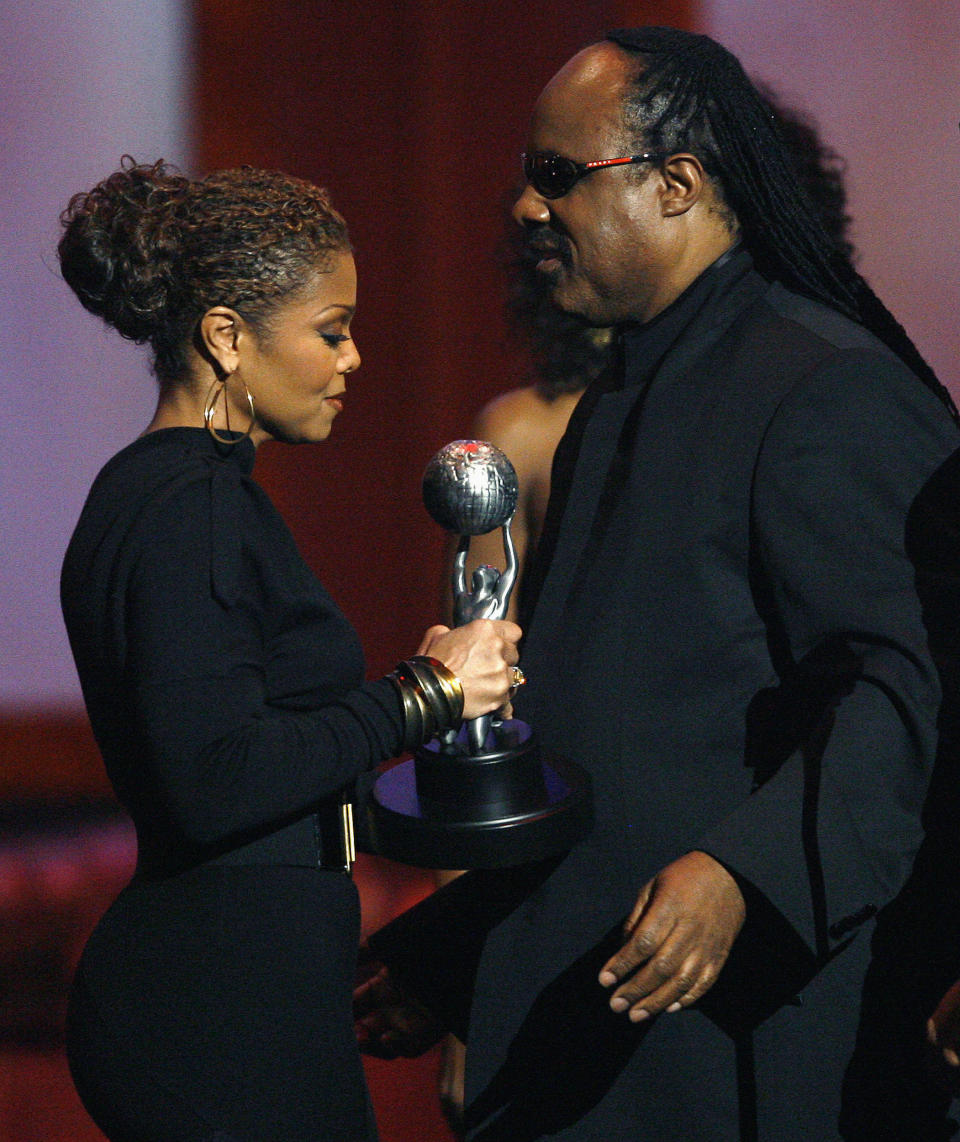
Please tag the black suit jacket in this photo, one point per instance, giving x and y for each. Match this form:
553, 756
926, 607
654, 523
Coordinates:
730, 638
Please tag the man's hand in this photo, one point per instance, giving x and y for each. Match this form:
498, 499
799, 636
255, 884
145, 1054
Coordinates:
678, 937
451, 1082
388, 1022
943, 1027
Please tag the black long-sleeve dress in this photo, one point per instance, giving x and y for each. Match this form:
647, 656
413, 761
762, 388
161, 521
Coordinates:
226, 692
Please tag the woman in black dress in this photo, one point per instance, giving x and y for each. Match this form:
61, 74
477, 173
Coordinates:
225, 688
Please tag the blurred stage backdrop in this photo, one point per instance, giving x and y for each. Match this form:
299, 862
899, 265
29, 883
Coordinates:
413, 113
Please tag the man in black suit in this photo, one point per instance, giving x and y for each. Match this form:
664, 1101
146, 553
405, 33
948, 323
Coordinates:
735, 597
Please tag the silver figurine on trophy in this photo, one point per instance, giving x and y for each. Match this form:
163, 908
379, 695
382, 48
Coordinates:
482, 797
470, 488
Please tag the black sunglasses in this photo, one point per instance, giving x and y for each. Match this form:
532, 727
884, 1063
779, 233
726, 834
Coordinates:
552, 175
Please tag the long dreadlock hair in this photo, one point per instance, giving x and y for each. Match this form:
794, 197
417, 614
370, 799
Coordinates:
692, 94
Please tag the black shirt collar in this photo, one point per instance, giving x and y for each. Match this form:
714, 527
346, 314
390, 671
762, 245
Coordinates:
645, 345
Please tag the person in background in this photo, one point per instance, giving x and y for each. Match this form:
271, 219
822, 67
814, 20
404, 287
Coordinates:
225, 687
735, 629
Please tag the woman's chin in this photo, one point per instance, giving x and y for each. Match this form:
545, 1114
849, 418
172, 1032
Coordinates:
314, 433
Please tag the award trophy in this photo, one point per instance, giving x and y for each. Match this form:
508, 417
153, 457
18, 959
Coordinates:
482, 797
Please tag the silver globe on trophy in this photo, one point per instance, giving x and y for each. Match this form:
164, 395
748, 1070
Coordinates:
483, 797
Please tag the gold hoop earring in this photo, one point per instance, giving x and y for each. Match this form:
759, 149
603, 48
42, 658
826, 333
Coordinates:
210, 408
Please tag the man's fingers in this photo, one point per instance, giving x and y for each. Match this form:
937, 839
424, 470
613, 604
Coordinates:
644, 940
665, 988
371, 994
679, 968
639, 908
389, 1023
687, 918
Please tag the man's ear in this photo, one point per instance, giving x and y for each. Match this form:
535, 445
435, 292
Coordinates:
220, 333
685, 180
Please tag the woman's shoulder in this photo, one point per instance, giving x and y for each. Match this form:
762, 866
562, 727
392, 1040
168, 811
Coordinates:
159, 463
171, 509
169, 484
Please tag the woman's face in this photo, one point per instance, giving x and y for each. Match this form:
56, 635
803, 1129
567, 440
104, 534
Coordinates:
296, 372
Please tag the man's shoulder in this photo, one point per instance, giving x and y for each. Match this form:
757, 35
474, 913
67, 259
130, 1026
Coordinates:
835, 381
789, 359
783, 338
794, 318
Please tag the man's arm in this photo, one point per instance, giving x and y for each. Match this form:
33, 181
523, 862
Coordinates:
432, 950
829, 838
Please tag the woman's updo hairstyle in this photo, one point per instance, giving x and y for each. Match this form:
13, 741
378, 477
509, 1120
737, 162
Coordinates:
150, 250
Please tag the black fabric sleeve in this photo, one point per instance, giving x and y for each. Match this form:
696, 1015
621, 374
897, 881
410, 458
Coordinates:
212, 597
829, 837
434, 948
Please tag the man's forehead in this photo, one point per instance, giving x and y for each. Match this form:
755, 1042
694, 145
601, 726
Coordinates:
596, 63
584, 99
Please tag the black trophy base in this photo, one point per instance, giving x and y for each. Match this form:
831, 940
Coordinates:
506, 806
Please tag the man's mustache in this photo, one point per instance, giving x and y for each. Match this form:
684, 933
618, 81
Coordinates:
542, 242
